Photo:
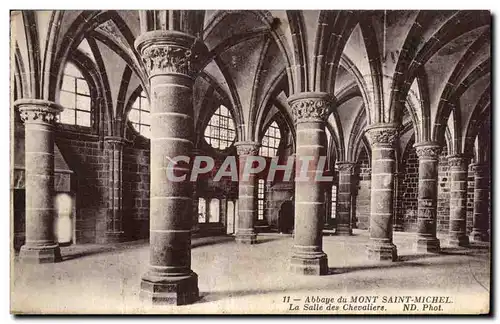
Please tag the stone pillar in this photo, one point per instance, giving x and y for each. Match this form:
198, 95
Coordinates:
397, 226
428, 159
383, 139
481, 203
169, 57
39, 117
195, 226
310, 111
344, 200
355, 189
247, 195
458, 200
329, 222
114, 220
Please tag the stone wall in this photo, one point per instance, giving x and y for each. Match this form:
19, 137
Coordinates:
362, 181
407, 209
443, 202
470, 199
136, 180
86, 156
276, 195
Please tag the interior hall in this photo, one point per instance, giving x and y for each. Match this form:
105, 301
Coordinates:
399, 103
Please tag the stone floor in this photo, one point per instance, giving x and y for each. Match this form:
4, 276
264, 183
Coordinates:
252, 279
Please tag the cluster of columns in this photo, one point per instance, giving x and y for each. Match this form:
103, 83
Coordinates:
170, 57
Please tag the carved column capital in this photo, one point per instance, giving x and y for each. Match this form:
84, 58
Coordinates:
37, 111
345, 166
310, 106
458, 161
428, 150
382, 135
247, 148
170, 52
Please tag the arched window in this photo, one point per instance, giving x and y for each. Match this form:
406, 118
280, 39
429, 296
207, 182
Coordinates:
329, 153
333, 211
328, 138
230, 217
271, 141
220, 131
260, 199
214, 215
75, 98
140, 117
202, 210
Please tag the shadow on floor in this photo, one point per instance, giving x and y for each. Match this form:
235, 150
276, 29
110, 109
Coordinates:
356, 282
79, 251
411, 257
261, 240
211, 240
470, 250
381, 265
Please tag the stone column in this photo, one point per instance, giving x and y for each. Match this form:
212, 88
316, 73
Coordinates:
39, 118
397, 226
310, 111
114, 221
428, 159
383, 139
169, 57
247, 195
355, 188
458, 200
481, 203
195, 226
344, 199
329, 223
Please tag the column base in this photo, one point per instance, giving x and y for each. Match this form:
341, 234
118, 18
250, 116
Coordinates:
343, 230
427, 245
246, 237
312, 265
478, 236
169, 290
462, 241
40, 254
114, 237
382, 251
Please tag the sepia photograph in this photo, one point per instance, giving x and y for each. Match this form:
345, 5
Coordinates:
227, 162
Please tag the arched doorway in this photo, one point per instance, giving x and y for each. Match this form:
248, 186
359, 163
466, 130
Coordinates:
286, 220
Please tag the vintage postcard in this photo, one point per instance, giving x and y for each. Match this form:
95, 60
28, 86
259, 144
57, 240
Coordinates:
317, 162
